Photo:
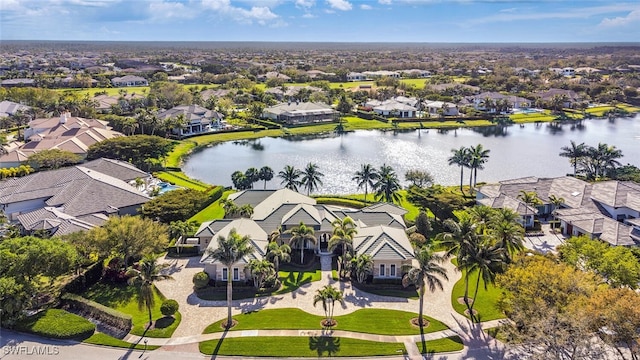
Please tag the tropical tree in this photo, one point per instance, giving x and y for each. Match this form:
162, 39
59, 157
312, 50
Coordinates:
424, 275
460, 157
253, 175
265, 174
343, 232
388, 185
277, 254
531, 199
290, 177
477, 158
508, 233
366, 177
362, 266
230, 208
311, 178
328, 296
300, 236
229, 251
419, 178
143, 278
557, 202
573, 152
260, 270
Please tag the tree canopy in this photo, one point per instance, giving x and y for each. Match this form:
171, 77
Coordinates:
136, 149
177, 205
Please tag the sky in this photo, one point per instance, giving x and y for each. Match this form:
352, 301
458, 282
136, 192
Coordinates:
430, 21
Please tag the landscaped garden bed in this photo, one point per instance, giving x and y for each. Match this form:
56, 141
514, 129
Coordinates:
57, 324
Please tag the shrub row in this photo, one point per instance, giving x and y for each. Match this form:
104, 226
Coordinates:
185, 251
85, 280
341, 202
266, 123
94, 310
57, 324
381, 281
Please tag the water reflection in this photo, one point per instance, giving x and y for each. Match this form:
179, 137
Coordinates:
516, 151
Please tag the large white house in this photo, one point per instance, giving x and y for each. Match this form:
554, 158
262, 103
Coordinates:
380, 227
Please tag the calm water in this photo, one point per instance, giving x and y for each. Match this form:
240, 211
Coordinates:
530, 150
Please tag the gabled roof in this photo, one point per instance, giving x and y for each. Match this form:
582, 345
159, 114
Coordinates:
617, 194
386, 207
54, 220
383, 243
118, 169
305, 213
251, 197
244, 227
279, 197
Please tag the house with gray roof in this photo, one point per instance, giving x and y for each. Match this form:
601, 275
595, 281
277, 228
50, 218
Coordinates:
381, 229
72, 197
607, 210
9, 108
293, 113
129, 80
197, 119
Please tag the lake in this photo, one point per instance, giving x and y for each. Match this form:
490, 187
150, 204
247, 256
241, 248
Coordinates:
516, 151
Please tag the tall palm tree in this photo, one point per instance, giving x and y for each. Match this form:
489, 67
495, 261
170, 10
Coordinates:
300, 236
388, 185
509, 236
531, 199
485, 259
362, 266
460, 157
143, 279
557, 202
265, 174
230, 250
477, 158
607, 158
277, 254
343, 232
366, 177
260, 270
574, 152
290, 177
424, 275
328, 296
311, 178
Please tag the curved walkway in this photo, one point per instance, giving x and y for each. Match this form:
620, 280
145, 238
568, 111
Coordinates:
197, 314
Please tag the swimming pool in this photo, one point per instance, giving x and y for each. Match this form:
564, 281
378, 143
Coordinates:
164, 187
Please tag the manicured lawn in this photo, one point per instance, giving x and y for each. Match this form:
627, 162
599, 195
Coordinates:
450, 344
106, 340
142, 90
180, 179
299, 347
292, 280
124, 298
401, 293
213, 211
181, 149
58, 324
372, 321
485, 304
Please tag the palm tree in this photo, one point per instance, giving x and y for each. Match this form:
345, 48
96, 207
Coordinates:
574, 153
230, 250
530, 198
143, 279
362, 266
388, 185
424, 275
300, 236
260, 271
477, 158
230, 208
366, 177
485, 259
277, 254
460, 157
509, 236
290, 176
311, 178
607, 158
343, 232
265, 174
253, 175
328, 295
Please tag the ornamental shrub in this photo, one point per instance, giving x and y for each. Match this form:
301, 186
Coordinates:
201, 280
169, 307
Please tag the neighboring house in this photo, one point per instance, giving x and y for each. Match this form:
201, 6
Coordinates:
197, 119
478, 101
10, 108
392, 107
381, 74
356, 76
274, 75
608, 210
17, 82
293, 113
435, 108
566, 71
105, 103
68, 133
73, 197
381, 230
571, 96
129, 80
415, 73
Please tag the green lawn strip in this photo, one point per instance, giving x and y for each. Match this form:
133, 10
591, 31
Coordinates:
58, 324
141, 90
450, 344
299, 347
181, 149
213, 211
372, 321
106, 340
182, 180
292, 280
401, 293
124, 299
486, 302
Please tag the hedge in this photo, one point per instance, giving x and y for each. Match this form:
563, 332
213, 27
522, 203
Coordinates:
383, 281
186, 251
341, 202
94, 310
57, 324
85, 280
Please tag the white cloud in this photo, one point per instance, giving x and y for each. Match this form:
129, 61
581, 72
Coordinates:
384, 2
365, 7
308, 16
632, 18
167, 10
305, 3
260, 14
343, 5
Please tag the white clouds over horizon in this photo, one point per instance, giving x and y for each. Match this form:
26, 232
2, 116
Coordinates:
260, 14
342, 5
632, 17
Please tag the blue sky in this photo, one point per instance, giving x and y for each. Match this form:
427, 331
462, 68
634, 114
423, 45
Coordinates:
322, 20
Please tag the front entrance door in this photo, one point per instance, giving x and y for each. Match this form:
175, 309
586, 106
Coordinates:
324, 242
